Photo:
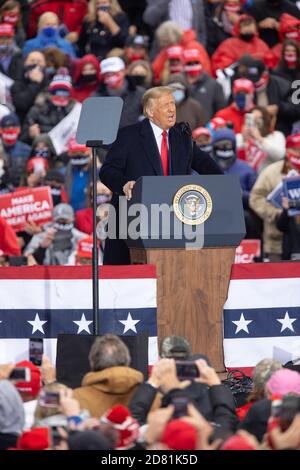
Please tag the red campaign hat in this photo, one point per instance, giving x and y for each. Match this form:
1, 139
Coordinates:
200, 131
35, 439
180, 435
73, 146
174, 52
191, 55
243, 84
237, 443
6, 29
217, 122
293, 141
128, 427
85, 247
33, 387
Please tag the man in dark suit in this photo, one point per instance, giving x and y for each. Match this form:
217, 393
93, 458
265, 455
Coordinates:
155, 146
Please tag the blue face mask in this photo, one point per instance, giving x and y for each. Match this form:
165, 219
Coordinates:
179, 96
49, 32
240, 100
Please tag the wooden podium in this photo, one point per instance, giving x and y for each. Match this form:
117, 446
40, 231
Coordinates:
193, 283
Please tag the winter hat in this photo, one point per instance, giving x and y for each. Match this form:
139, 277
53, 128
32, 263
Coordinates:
33, 387
122, 421
243, 84
10, 120
224, 134
63, 211
284, 381
175, 347
55, 175
216, 123
180, 435
85, 247
111, 65
293, 141
7, 30
237, 443
35, 439
61, 82
88, 440
11, 409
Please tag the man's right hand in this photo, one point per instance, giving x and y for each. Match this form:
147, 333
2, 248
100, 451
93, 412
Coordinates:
127, 189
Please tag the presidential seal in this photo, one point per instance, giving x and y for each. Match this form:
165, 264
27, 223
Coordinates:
192, 204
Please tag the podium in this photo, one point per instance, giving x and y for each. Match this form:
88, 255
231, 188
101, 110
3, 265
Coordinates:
193, 278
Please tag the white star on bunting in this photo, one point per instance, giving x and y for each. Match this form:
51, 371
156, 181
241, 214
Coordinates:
242, 324
286, 322
129, 324
37, 324
83, 324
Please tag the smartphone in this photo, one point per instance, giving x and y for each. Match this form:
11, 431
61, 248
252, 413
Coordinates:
17, 261
36, 350
249, 120
21, 374
49, 399
180, 407
186, 370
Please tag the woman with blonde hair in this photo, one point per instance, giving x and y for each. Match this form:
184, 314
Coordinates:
104, 28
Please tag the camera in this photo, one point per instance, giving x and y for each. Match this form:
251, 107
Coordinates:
186, 370
21, 374
180, 406
285, 410
49, 399
36, 349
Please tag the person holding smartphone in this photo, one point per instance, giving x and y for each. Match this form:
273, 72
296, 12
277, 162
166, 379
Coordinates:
260, 130
105, 27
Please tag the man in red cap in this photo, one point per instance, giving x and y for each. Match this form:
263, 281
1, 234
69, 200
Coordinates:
204, 89
11, 62
243, 97
84, 251
174, 54
202, 137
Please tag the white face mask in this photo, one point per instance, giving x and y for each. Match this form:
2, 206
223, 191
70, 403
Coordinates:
63, 227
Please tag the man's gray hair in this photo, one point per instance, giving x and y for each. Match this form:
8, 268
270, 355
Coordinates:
108, 351
153, 94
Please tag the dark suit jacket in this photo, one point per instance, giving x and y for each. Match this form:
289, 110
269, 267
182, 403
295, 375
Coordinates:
135, 154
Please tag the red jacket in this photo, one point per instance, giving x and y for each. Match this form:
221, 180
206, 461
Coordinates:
234, 115
231, 50
81, 92
84, 220
70, 12
8, 239
188, 41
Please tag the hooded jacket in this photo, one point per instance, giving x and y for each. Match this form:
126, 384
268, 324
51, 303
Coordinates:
189, 110
233, 48
83, 91
188, 41
287, 22
103, 389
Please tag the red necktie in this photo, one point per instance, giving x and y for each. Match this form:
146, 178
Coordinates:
164, 152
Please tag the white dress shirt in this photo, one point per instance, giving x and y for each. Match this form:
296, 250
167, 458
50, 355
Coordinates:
158, 135
181, 12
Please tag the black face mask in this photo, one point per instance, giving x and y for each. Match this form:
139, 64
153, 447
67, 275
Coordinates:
86, 79
138, 80
56, 195
247, 36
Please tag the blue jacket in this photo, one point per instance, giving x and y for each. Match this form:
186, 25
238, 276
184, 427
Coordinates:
16, 157
247, 178
41, 42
